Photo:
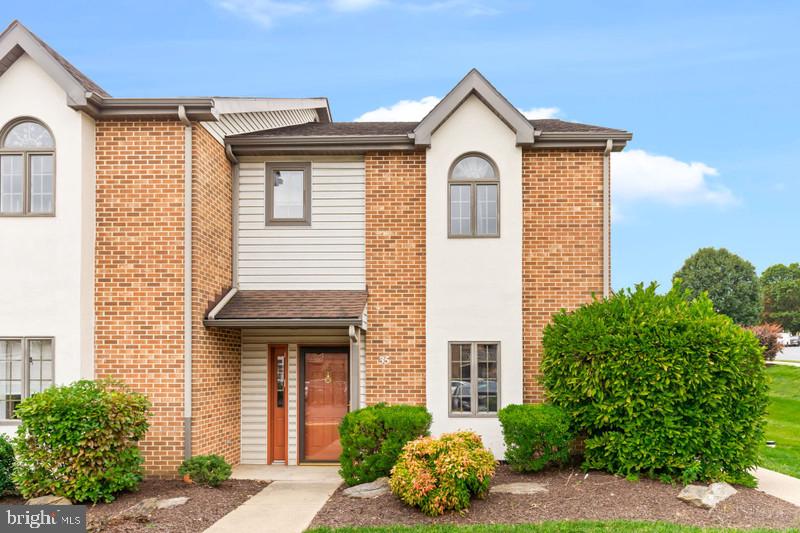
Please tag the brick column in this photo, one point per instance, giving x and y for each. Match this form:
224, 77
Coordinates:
139, 273
562, 244
395, 268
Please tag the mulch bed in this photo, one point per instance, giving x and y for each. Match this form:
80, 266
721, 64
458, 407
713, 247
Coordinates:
206, 505
571, 497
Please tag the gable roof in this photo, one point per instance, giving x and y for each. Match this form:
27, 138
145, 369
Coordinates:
474, 83
16, 39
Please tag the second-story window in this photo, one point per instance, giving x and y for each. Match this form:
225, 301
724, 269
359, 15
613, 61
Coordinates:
474, 196
288, 194
27, 169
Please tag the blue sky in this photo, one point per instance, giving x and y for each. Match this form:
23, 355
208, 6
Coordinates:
709, 89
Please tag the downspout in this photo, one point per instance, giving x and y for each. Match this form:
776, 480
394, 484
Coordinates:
187, 282
234, 215
607, 218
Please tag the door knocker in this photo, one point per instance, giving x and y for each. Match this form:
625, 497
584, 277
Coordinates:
328, 378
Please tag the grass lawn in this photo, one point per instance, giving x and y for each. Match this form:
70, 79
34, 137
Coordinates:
783, 421
615, 526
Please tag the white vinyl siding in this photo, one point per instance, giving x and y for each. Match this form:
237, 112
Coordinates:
255, 348
327, 254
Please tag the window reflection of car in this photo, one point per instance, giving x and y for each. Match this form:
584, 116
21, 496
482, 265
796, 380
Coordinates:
460, 396
487, 394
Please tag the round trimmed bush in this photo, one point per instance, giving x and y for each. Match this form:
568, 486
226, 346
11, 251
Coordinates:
536, 435
79, 441
373, 437
210, 470
661, 385
443, 474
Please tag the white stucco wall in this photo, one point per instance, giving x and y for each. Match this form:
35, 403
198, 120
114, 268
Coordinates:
46, 275
474, 286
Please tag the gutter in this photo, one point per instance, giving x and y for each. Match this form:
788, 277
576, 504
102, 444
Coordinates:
607, 218
187, 282
324, 143
282, 322
194, 109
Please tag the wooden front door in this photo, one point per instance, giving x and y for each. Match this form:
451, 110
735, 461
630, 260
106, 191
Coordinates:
325, 401
277, 394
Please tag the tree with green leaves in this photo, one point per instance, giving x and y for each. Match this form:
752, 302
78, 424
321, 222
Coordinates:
781, 289
730, 281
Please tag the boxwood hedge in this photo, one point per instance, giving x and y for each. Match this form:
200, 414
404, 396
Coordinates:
373, 437
661, 385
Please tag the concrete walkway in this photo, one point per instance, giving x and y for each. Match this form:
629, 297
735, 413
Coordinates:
781, 486
287, 505
783, 363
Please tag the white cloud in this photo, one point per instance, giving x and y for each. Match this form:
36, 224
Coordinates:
354, 5
413, 110
402, 111
639, 175
540, 112
263, 12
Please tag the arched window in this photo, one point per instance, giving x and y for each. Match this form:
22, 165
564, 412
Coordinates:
474, 197
27, 169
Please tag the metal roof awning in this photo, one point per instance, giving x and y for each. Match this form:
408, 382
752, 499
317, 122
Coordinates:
289, 308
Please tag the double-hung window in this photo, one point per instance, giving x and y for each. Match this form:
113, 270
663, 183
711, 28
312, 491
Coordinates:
288, 194
26, 367
27, 169
474, 197
474, 378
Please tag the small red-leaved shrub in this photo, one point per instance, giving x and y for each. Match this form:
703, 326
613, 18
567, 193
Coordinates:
443, 474
767, 335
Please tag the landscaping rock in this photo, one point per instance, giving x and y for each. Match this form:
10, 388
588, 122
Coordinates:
521, 487
169, 503
706, 497
376, 488
140, 512
49, 500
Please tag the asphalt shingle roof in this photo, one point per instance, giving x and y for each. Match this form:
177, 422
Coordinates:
314, 129
283, 304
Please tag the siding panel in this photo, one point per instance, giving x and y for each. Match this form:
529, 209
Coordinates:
329, 254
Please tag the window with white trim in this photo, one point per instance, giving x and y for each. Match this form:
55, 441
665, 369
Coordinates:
474, 199
26, 367
27, 169
474, 378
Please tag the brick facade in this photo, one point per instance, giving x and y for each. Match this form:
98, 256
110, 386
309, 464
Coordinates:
395, 270
139, 273
139, 283
562, 244
216, 353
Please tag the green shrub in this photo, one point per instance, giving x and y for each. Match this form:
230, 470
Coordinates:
536, 435
373, 437
80, 441
6, 466
661, 385
209, 470
443, 474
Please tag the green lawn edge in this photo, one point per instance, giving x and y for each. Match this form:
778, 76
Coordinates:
568, 526
783, 421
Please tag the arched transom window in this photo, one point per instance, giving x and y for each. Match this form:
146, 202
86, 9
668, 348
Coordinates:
474, 196
27, 169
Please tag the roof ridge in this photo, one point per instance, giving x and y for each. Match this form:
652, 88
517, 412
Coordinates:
72, 70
